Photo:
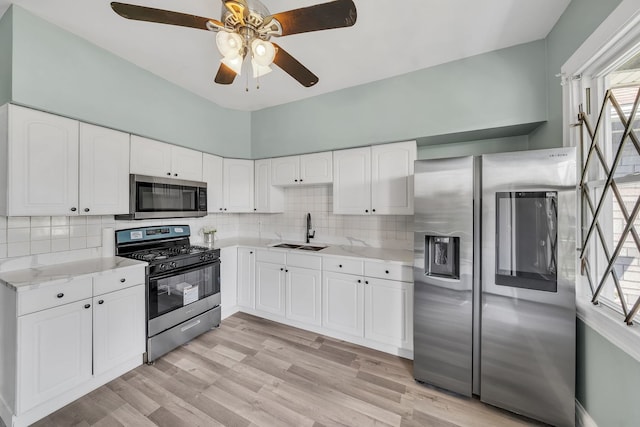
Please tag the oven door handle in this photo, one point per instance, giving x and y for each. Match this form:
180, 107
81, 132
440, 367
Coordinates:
184, 270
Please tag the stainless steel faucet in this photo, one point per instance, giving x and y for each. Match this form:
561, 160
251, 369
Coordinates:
310, 233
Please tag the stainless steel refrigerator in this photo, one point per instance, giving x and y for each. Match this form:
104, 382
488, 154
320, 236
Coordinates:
494, 273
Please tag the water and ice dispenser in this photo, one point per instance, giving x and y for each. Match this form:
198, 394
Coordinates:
443, 256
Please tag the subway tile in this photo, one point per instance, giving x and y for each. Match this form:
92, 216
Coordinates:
18, 222
60, 245
60, 232
3, 222
96, 230
3, 250
40, 233
40, 247
59, 220
94, 241
18, 249
77, 220
15, 235
77, 242
94, 220
78, 231
40, 221
3, 236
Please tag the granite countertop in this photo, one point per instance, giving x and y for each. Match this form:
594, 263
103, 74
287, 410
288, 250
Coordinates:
399, 256
30, 278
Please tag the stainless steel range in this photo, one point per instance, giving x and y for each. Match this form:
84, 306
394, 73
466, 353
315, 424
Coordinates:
183, 284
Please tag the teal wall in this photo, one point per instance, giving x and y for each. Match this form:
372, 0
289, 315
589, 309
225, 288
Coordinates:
607, 380
6, 25
497, 89
473, 148
579, 20
59, 72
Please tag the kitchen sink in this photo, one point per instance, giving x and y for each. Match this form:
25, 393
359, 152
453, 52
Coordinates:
301, 247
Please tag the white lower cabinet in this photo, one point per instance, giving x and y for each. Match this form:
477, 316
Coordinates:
270, 288
304, 295
118, 334
388, 314
343, 303
246, 277
65, 338
54, 352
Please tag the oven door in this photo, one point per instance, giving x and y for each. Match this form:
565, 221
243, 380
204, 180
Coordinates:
179, 295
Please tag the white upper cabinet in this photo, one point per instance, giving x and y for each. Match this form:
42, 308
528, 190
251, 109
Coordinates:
305, 169
268, 199
238, 185
155, 158
374, 180
40, 153
212, 174
103, 171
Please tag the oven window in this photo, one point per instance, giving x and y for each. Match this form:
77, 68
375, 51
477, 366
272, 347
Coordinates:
154, 197
177, 289
526, 239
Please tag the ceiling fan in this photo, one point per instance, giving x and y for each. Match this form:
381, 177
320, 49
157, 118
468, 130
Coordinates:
245, 28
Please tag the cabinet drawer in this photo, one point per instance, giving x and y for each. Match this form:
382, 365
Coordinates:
304, 261
111, 281
54, 295
383, 270
344, 265
275, 257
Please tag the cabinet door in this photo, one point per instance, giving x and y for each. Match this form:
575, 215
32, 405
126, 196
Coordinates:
229, 279
270, 288
388, 309
150, 157
119, 327
238, 185
285, 170
352, 181
316, 168
343, 303
42, 164
186, 163
267, 197
104, 171
246, 277
304, 295
212, 172
392, 178
54, 352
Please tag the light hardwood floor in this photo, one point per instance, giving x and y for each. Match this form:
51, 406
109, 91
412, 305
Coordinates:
254, 372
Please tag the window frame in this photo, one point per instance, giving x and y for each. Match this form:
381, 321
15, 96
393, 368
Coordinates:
602, 52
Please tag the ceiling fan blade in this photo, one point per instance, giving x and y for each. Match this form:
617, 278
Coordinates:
335, 14
295, 69
149, 14
225, 75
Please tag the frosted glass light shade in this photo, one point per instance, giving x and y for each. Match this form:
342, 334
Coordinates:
229, 44
259, 70
234, 63
263, 52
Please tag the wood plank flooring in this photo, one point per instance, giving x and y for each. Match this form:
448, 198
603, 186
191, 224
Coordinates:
254, 372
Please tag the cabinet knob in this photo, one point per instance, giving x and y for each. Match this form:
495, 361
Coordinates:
340, 265
175, 174
250, 252
220, 208
366, 282
73, 209
286, 271
101, 301
366, 210
87, 209
386, 271
225, 209
123, 280
281, 269
255, 209
60, 295
168, 173
373, 210
87, 305
300, 180
359, 281
295, 180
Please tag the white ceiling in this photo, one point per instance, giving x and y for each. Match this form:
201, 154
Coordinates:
389, 38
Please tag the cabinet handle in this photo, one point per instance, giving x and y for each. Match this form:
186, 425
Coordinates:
123, 280
87, 209
60, 295
73, 209
101, 301
87, 305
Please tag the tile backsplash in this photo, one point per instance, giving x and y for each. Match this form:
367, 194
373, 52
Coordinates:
33, 238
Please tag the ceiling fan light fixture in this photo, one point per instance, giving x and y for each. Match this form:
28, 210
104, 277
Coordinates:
259, 70
235, 63
263, 52
229, 44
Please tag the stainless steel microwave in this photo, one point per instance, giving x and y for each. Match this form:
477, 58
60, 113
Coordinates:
153, 197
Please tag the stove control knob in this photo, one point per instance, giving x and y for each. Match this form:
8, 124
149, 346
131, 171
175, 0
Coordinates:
162, 267
172, 264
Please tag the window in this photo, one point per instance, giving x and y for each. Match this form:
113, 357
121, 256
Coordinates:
610, 186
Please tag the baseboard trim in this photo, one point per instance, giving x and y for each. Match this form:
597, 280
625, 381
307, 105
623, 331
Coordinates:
583, 419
